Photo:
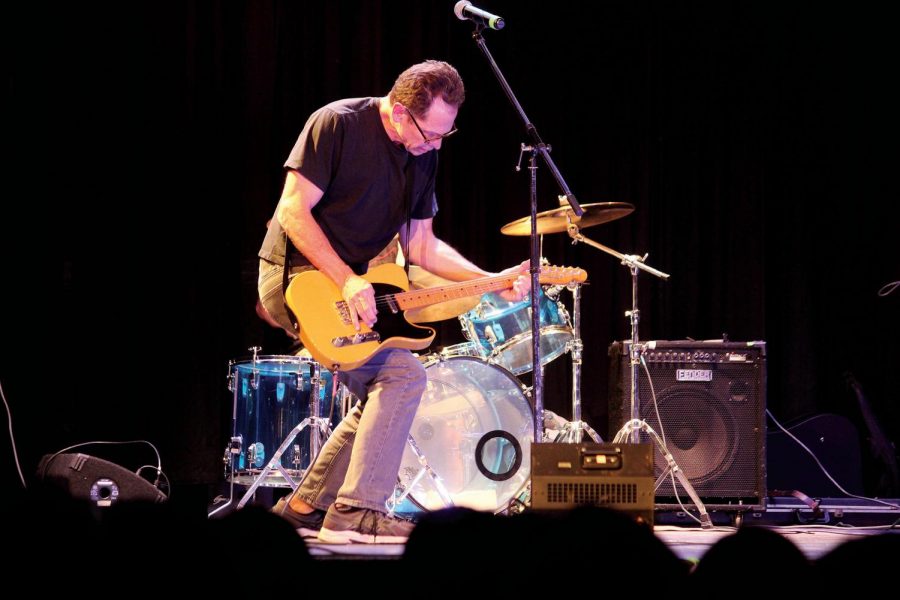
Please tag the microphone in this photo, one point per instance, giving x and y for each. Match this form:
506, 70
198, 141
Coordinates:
465, 11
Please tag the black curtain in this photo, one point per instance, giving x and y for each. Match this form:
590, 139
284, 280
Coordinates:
145, 145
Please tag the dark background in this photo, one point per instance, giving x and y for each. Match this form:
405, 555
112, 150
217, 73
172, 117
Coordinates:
144, 146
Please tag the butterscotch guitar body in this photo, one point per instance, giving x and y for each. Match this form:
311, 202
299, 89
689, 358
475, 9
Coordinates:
328, 333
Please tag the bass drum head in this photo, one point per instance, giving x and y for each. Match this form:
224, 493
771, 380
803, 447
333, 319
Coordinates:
475, 427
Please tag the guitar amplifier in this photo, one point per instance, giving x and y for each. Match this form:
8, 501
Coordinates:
709, 407
615, 476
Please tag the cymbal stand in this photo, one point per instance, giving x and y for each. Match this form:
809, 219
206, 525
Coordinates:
320, 430
630, 432
634, 427
574, 430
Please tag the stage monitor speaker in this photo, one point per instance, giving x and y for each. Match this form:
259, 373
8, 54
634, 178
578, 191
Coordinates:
96, 480
615, 476
711, 401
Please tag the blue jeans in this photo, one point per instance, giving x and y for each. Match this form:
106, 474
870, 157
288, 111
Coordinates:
360, 462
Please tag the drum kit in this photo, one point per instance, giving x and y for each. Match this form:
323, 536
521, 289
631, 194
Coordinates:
469, 444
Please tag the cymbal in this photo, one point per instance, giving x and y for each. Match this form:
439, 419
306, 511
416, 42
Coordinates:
557, 220
419, 279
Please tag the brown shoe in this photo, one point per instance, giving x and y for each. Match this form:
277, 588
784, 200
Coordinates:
349, 524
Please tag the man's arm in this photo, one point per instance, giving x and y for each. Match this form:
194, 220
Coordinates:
438, 257
294, 214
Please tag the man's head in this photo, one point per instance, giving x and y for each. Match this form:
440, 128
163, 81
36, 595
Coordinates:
424, 102
417, 86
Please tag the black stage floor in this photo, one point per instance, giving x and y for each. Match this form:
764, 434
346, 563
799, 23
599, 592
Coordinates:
687, 543
814, 533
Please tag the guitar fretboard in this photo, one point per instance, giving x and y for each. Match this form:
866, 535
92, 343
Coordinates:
429, 296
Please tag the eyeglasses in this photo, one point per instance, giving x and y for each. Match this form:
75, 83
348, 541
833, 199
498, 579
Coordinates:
433, 138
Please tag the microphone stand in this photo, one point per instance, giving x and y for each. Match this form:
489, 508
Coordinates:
536, 147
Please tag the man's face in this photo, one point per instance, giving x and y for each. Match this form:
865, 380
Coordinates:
423, 134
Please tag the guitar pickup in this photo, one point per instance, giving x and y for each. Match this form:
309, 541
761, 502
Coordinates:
359, 338
343, 312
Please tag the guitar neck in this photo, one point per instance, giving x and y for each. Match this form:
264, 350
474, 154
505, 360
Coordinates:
429, 296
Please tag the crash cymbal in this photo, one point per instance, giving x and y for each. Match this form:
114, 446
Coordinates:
419, 279
557, 220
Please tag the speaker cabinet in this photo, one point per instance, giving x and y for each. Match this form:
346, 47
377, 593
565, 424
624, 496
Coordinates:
710, 403
98, 481
615, 476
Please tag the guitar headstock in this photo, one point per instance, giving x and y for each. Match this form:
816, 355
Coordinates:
562, 275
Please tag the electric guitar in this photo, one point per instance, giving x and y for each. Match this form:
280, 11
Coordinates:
328, 333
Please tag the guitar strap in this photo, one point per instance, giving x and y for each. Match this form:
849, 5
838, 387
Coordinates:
288, 250
409, 193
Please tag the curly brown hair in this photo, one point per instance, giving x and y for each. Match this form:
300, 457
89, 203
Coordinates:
417, 86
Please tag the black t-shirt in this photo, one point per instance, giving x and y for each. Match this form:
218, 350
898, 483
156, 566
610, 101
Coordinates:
368, 183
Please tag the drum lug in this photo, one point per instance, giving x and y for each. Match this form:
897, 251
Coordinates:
469, 330
254, 379
490, 335
231, 451
575, 347
315, 383
256, 454
255, 350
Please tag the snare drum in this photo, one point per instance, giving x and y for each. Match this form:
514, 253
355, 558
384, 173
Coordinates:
474, 426
503, 330
272, 395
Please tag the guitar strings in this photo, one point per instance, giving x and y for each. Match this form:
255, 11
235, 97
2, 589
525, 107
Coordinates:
387, 300
488, 285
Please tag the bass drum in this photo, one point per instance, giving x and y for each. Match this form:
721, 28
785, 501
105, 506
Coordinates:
475, 427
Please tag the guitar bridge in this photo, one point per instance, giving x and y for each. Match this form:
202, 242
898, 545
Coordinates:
353, 340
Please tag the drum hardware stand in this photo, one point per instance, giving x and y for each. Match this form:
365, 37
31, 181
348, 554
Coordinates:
630, 432
573, 431
233, 449
425, 470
